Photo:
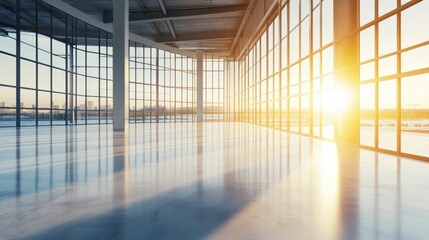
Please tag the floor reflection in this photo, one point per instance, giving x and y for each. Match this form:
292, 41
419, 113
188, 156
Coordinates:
203, 180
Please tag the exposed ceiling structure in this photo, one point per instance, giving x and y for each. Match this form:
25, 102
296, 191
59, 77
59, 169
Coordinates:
208, 25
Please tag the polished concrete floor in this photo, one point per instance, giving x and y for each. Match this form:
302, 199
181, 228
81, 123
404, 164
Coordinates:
203, 181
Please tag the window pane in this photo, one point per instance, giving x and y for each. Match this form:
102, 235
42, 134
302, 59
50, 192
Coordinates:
387, 66
8, 96
415, 24
7, 69
415, 115
367, 44
327, 22
387, 115
28, 98
367, 115
316, 28
294, 13
294, 45
58, 80
366, 11
8, 43
385, 6
284, 22
305, 37
28, 74
387, 36
415, 59
44, 99
44, 78
367, 71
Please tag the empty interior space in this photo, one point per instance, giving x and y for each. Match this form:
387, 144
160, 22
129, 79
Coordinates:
214, 119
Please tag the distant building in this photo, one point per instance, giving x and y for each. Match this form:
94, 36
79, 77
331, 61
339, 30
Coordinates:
90, 105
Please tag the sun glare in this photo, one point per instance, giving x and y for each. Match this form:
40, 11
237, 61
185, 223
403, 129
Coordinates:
336, 100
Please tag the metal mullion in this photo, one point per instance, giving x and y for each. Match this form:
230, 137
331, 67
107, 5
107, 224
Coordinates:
18, 64
72, 77
376, 88
389, 14
107, 78
252, 91
130, 62
99, 76
66, 70
321, 84
194, 76
225, 92
255, 89
51, 58
157, 85
239, 90
135, 81
150, 85
187, 86
71, 72
300, 66
144, 81
175, 88
398, 80
244, 89
163, 85
37, 61
394, 53
182, 85
75, 71
205, 81
267, 94
280, 67
288, 67
311, 126
258, 88
86, 73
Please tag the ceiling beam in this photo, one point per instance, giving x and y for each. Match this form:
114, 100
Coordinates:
170, 27
243, 23
161, 4
181, 14
143, 8
224, 35
169, 24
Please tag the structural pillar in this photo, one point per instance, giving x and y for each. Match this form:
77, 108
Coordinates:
346, 65
120, 65
347, 120
200, 88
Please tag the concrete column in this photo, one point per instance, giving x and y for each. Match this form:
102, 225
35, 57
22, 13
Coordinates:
200, 89
346, 65
120, 65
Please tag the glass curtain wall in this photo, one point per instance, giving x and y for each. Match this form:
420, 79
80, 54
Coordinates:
394, 74
213, 85
162, 85
286, 78
58, 70
55, 69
